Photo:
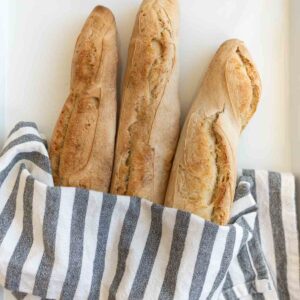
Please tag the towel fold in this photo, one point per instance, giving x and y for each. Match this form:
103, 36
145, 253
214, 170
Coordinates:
71, 243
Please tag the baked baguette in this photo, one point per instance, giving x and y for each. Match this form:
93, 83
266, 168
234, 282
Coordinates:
149, 119
82, 146
203, 175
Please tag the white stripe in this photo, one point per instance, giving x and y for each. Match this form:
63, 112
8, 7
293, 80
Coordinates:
268, 294
13, 234
34, 258
32, 146
263, 285
241, 291
265, 226
237, 275
271, 295
89, 244
215, 260
250, 220
237, 278
7, 158
251, 260
111, 256
136, 249
235, 272
160, 264
289, 218
189, 256
221, 297
62, 243
35, 170
237, 245
21, 131
242, 204
39, 174
8, 186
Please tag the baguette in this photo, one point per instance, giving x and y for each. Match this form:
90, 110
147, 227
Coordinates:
82, 146
203, 175
149, 119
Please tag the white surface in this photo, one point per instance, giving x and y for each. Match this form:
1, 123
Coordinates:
42, 36
3, 62
295, 93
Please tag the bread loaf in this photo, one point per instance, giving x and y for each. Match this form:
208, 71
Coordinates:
82, 145
149, 119
203, 175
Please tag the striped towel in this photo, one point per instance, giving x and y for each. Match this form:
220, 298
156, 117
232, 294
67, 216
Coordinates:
277, 229
71, 243
275, 235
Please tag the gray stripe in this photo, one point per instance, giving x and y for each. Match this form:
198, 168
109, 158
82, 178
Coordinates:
242, 222
226, 260
19, 295
22, 124
297, 217
206, 245
177, 247
128, 229
149, 254
15, 265
76, 243
50, 221
257, 253
24, 139
242, 189
297, 220
37, 158
251, 174
228, 291
107, 209
242, 213
256, 229
245, 237
278, 234
258, 296
243, 256
247, 269
9, 210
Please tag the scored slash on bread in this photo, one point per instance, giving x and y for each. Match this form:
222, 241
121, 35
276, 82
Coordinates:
82, 146
203, 175
149, 120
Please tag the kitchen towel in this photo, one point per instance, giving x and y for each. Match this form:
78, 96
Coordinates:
71, 243
275, 235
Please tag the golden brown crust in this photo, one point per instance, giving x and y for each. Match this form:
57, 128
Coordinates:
203, 175
149, 120
82, 145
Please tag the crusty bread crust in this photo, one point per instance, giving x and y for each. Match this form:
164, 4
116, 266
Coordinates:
203, 175
149, 119
82, 146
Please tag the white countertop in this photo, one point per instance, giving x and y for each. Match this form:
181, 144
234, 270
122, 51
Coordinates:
41, 36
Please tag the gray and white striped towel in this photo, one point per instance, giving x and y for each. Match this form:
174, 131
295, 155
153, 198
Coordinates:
70, 243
